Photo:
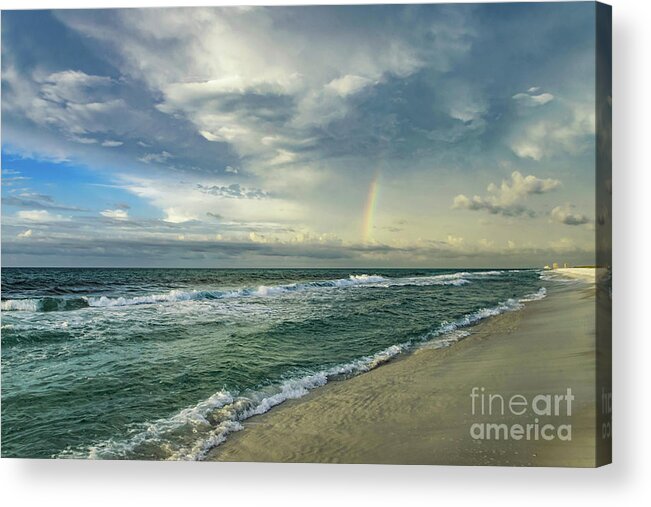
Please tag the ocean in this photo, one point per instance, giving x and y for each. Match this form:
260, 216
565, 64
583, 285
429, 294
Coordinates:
166, 363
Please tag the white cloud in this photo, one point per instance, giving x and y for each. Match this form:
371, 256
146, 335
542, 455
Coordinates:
40, 216
83, 140
463, 101
506, 199
348, 84
568, 131
455, 241
117, 214
563, 245
72, 86
233, 191
567, 214
532, 100
156, 157
178, 216
71, 103
25, 234
241, 206
112, 144
240, 76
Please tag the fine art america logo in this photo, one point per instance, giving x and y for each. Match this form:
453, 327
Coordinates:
540, 417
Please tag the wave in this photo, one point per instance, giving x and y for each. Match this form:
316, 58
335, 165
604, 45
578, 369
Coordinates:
536, 296
49, 304
260, 291
191, 433
177, 295
43, 304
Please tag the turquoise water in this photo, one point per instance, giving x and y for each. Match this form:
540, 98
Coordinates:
165, 363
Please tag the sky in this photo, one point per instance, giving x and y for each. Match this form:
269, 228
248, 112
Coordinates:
453, 135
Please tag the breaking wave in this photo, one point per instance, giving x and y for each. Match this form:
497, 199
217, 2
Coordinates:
43, 304
52, 304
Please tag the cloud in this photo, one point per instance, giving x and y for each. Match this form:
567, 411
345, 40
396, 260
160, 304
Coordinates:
35, 200
189, 249
73, 87
156, 157
274, 119
71, 102
39, 216
11, 177
530, 99
567, 215
478, 203
563, 245
116, 214
239, 76
187, 201
25, 234
178, 216
506, 198
348, 84
112, 144
569, 130
463, 101
234, 191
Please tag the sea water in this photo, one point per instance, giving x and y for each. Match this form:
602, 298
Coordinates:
166, 363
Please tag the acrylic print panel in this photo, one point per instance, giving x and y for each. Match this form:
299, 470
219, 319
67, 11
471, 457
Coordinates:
346, 234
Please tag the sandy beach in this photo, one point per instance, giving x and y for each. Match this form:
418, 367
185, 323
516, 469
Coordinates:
418, 409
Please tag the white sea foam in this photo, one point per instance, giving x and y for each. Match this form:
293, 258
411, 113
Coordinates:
260, 291
536, 296
456, 279
21, 305
171, 296
446, 340
46, 304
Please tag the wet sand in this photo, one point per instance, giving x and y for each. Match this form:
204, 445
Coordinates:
417, 409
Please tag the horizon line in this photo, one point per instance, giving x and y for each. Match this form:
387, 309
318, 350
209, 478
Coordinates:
264, 267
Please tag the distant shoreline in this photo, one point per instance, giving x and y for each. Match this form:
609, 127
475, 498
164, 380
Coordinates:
587, 274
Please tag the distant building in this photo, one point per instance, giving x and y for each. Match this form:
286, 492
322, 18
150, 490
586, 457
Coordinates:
555, 265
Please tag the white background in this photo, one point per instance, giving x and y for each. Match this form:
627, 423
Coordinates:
627, 481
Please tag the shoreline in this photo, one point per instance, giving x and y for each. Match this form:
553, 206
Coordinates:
589, 275
416, 408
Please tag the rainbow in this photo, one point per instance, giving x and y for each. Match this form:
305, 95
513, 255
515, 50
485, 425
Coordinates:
369, 208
